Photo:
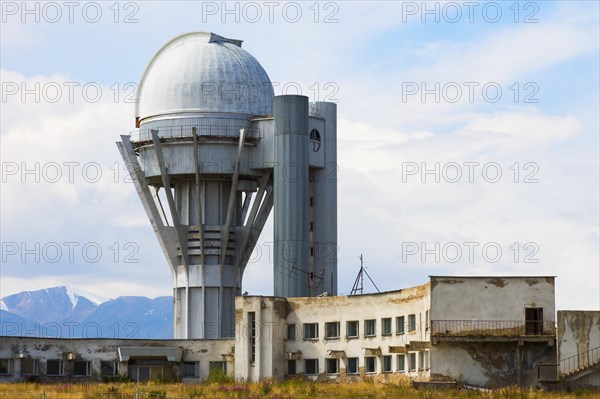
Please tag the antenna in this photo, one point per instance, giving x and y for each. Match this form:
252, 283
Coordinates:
357, 288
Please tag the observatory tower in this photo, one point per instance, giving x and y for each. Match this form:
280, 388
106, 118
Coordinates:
214, 153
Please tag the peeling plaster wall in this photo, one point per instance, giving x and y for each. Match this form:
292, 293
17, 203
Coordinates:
578, 332
488, 364
490, 298
98, 350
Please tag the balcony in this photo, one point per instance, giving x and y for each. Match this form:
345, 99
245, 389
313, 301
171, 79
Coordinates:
491, 330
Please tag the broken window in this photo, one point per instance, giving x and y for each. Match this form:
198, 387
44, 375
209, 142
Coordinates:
291, 332
29, 366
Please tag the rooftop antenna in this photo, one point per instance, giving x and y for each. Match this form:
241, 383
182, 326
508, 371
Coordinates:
357, 288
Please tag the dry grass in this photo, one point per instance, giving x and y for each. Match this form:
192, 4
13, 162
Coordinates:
292, 389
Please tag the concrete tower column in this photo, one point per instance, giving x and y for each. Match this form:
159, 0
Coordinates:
291, 197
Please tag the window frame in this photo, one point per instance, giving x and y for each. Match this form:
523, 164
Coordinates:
401, 360
373, 323
61, 367
400, 322
412, 362
88, 368
412, 323
289, 328
337, 327
367, 360
35, 366
384, 331
357, 329
330, 360
195, 374
316, 331
386, 359
10, 366
315, 364
356, 370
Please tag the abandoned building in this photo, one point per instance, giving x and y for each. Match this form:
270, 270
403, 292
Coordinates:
215, 152
449, 329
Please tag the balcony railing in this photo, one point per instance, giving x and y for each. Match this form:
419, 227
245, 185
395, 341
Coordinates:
580, 361
491, 328
144, 134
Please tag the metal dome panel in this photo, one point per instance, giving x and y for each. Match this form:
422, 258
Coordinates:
199, 73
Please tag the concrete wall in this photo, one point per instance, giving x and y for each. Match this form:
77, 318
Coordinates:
98, 350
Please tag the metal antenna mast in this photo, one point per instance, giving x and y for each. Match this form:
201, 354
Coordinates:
358, 283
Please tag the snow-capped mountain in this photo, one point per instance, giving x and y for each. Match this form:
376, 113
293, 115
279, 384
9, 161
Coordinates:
57, 304
69, 312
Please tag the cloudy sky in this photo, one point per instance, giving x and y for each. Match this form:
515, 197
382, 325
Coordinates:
468, 137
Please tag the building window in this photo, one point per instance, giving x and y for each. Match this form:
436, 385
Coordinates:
291, 367
421, 360
352, 367
55, 367
311, 331
82, 368
352, 329
332, 330
412, 322
217, 366
6, 366
426, 320
400, 359
427, 360
369, 364
386, 366
386, 326
332, 365
190, 369
108, 369
412, 362
370, 328
311, 201
312, 226
29, 367
252, 335
290, 334
400, 325
311, 366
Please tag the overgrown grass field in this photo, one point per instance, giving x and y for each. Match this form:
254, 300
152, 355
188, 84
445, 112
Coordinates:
291, 389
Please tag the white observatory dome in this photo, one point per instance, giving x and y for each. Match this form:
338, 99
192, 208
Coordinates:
202, 73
